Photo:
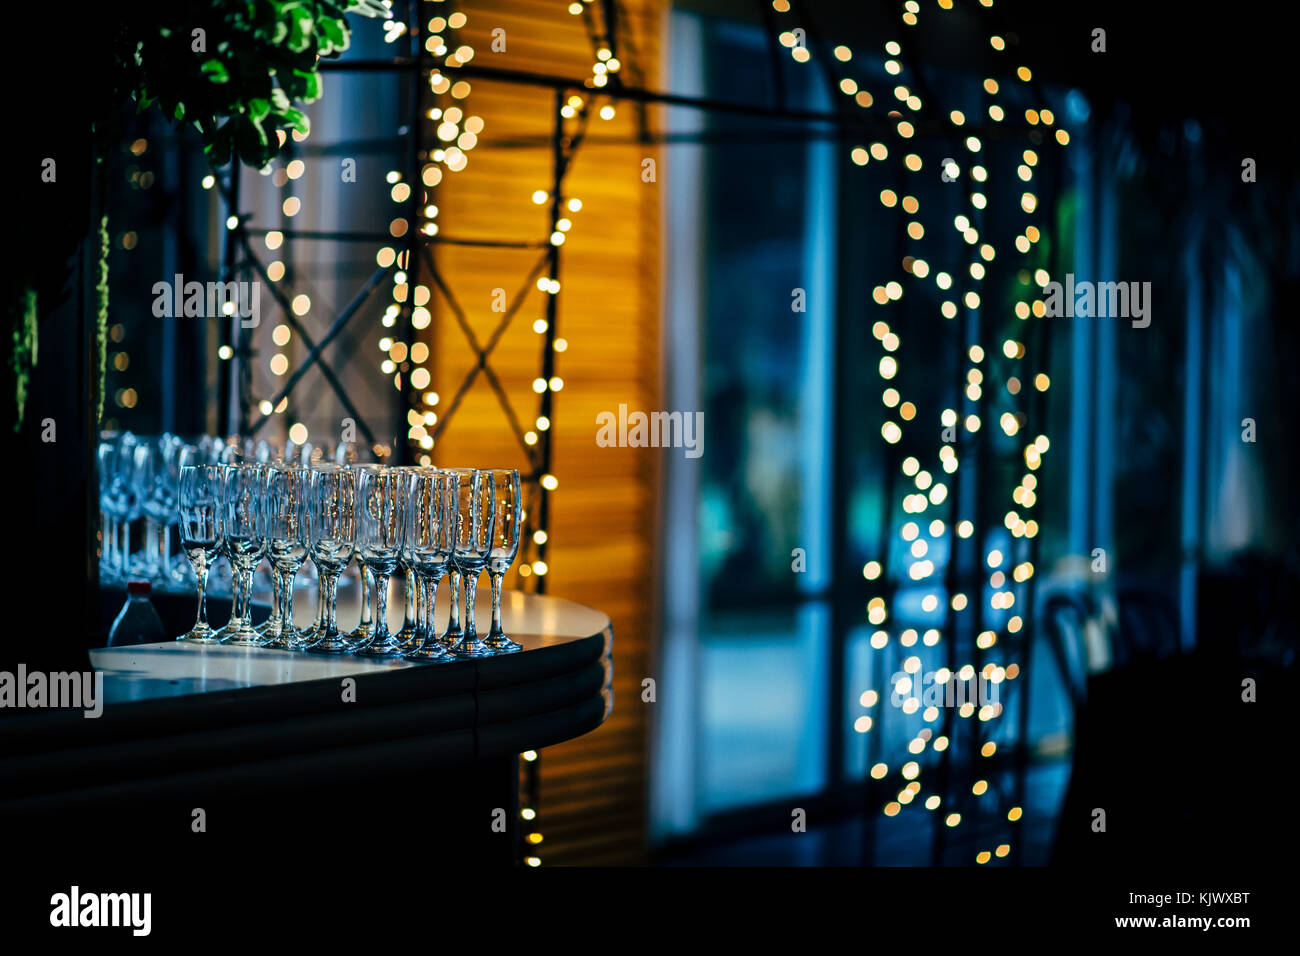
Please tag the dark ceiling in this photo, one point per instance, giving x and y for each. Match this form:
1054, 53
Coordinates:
1226, 65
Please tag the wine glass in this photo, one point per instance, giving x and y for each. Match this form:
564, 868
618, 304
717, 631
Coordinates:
475, 502
427, 547
507, 514
199, 501
331, 536
285, 489
244, 530
379, 542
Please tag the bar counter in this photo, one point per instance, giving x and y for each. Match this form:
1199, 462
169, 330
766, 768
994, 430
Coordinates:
281, 742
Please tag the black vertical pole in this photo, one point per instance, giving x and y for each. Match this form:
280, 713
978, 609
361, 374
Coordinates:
225, 378
552, 316
403, 454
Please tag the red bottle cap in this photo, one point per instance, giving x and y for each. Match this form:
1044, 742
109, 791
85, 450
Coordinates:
138, 587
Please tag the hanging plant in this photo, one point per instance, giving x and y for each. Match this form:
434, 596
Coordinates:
234, 69
101, 320
22, 323
237, 71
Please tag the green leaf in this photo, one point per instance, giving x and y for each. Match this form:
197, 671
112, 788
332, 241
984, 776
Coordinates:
369, 8
218, 148
333, 33
215, 71
297, 119
300, 30
258, 109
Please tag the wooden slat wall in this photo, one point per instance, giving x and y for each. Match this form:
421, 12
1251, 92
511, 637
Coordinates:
592, 808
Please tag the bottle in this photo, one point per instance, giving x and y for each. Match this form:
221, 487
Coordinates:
137, 622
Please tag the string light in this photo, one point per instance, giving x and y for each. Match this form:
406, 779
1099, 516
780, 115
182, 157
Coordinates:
980, 252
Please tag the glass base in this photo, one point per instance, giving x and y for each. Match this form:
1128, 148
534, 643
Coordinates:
429, 650
243, 637
412, 639
280, 638
301, 639
200, 634
502, 644
385, 645
473, 647
331, 642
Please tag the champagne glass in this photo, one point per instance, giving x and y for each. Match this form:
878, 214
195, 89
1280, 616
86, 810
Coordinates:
286, 507
179, 572
475, 503
331, 535
409, 636
451, 637
155, 503
379, 541
165, 491
427, 547
507, 514
105, 463
245, 534
122, 492
144, 467
199, 498
362, 633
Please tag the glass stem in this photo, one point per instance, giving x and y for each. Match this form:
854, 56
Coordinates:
471, 586
150, 542
415, 582
453, 621
366, 587
286, 598
427, 592
496, 604
409, 612
381, 606
126, 548
201, 572
320, 597
165, 548
331, 597
246, 597
277, 585
235, 590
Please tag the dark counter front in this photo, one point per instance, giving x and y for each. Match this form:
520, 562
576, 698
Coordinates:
217, 749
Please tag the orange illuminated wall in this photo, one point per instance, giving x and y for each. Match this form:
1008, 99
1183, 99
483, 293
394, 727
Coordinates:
592, 806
